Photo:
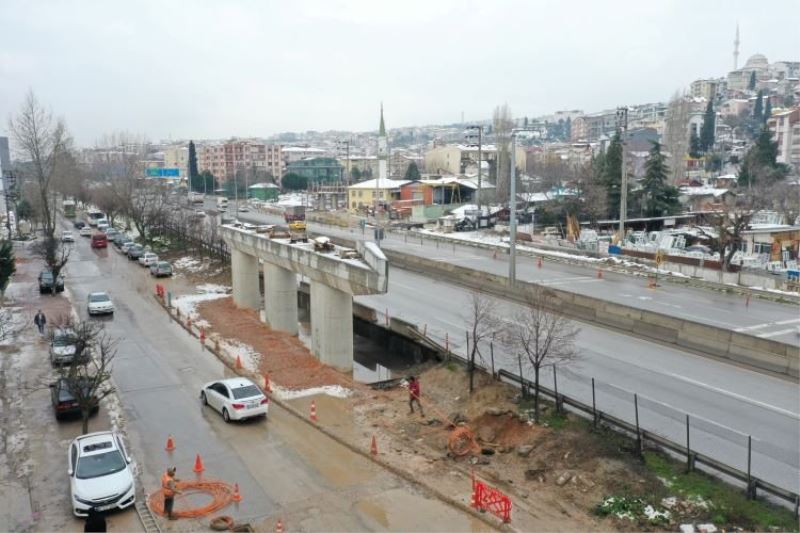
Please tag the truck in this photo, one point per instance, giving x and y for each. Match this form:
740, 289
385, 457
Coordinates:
292, 213
69, 208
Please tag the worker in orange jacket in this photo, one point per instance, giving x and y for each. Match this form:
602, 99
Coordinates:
169, 485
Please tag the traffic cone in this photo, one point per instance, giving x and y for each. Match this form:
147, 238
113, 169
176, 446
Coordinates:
238, 362
539, 262
474, 500
203, 335
374, 449
170, 443
267, 386
198, 464
279, 526
599, 274
313, 411
236, 496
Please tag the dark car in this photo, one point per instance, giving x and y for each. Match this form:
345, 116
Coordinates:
64, 346
79, 224
120, 239
64, 402
46, 282
135, 251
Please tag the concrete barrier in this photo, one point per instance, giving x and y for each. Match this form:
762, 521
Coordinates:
756, 353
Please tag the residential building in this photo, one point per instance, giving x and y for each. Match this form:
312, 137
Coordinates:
177, 156
785, 128
367, 193
365, 166
451, 159
591, 127
223, 160
400, 160
292, 154
705, 88
317, 169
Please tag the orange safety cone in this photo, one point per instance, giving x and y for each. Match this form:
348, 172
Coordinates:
539, 262
313, 411
236, 496
374, 448
267, 386
170, 444
279, 526
203, 335
198, 464
238, 362
474, 500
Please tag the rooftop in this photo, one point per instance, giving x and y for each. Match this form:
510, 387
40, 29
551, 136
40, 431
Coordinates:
379, 183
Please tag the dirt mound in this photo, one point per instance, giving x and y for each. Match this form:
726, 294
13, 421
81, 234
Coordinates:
507, 430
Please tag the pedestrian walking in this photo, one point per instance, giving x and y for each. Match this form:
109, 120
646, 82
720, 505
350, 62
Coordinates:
414, 395
95, 521
41, 321
170, 488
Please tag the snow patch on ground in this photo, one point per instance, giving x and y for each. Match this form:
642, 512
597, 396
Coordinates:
187, 304
212, 288
337, 391
191, 264
251, 359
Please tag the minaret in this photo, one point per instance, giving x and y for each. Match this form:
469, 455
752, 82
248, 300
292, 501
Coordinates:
736, 49
382, 149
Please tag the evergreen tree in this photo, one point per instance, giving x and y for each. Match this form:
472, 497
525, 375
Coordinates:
7, 264
760, 162
707, 131
294, 182
659, 198
694, 145
758, 108
612, 173
767, 109
355, 173
752, 84
193, 173
412, 172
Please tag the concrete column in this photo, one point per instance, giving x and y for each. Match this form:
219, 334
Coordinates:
332, 326
244, 274
280, 298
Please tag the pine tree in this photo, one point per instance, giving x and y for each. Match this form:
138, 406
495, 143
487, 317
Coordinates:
612, 173
707, 131
412, 172
752, 84
758, 108
694, 145
193, 173
660, 199
768, 109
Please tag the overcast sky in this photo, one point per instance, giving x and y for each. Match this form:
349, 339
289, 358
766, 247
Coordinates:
212, 69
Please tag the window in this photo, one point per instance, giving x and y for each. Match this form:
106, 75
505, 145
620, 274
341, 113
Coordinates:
762, 248
247, 391
101, 464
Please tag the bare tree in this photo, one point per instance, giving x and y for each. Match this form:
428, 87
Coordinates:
483, 323
730, 222
543, 335
55, 255
88, 377
108, 199
44, 141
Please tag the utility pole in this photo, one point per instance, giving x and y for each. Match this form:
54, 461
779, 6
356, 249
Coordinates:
622, 128
480, 163
512, 220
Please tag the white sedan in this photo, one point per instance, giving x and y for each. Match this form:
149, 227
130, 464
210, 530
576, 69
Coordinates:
100, 473
148, 259
67, 236
100, 303
86, 231
235, 398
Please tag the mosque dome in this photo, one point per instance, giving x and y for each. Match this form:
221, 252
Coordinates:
757, 61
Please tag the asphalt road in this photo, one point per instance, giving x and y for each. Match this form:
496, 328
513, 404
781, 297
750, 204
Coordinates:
762, 318
283, 467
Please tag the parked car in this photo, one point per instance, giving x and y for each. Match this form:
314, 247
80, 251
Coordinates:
99, 303
235, 398
79, 224
125, 246
99, 240
102, 224
111, 233
121, 238
63, 346
100, 473
161, 269
46, 282
67, 236
135, 252
63, 399
86, 231
147, 259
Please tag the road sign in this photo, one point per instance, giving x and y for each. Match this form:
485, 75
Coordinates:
163, 172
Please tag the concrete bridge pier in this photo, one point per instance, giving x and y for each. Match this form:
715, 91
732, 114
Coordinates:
332, 325
280, 298
244, 274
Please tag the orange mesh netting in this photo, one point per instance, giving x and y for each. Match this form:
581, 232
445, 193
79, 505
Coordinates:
221, 495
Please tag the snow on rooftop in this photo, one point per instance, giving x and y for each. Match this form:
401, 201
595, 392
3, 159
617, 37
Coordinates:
379, 183
703, 190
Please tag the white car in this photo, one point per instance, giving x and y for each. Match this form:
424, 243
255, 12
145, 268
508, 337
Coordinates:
100, 304
67, 236
235, 398
147, 259
86, 231
100, 473
125, 246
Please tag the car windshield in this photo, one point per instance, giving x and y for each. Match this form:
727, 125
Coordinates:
99, 297
100, 464
63, 339
47, 276
247, 391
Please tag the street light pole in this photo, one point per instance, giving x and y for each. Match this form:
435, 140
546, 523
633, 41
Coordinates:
512, 221
622, 125
480, 165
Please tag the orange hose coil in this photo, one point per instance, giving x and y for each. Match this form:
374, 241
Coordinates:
220, 492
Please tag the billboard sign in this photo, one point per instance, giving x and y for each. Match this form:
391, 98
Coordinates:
163, 172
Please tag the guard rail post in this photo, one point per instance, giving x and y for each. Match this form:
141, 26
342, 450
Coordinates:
638, 431
594, 406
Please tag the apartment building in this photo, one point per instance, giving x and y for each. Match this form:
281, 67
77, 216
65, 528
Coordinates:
785, 128
224, 159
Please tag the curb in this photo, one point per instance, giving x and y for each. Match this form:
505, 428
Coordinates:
352, 447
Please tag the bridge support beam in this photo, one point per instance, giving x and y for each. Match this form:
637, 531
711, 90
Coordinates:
280, 298
244, 276
332, 326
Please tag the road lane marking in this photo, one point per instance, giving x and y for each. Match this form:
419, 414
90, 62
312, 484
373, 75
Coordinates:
776, 333
780, 410
768, 324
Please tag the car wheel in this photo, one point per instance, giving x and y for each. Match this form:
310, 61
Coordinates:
203, 398
225, 415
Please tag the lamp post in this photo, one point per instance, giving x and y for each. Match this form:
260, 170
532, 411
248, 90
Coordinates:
512, 220
622, 128
480, 163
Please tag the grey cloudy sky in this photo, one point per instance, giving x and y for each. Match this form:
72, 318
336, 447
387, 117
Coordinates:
209, 69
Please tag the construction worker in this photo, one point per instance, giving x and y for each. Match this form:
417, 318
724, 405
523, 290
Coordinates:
170, 488
413, 395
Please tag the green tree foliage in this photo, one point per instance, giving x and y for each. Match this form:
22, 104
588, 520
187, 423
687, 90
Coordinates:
355, 173
611, 176
24, 210
707, 131
760, 163
751, 85
203, 182
7, 264
758, 108
767, 109
294, 182
412, 172
694, 145
659, 198
192, 161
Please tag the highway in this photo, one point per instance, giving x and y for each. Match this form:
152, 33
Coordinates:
762, 318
